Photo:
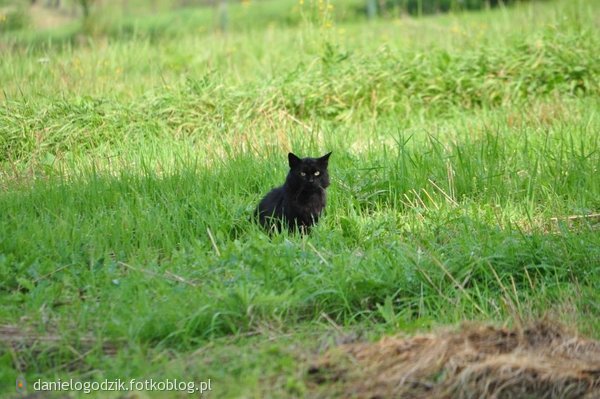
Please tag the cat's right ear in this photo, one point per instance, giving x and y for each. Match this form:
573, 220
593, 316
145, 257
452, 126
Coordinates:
293, 160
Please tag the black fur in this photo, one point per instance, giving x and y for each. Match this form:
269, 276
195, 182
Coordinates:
301, 200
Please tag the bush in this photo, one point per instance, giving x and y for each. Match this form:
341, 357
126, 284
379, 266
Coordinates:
415, 7
13, 19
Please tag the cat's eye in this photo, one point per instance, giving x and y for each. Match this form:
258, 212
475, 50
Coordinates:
302, 174
317, 173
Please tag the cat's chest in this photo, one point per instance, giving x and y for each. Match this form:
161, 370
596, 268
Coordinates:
311, 204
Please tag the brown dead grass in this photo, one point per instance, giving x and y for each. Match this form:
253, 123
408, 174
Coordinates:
47, 18
543, 360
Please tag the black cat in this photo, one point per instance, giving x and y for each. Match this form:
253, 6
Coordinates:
299, 202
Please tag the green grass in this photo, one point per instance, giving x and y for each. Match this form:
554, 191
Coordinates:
129, 169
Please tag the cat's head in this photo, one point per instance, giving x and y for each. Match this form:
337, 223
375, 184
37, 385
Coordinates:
309, 172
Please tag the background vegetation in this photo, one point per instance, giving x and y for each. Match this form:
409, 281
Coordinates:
134, 148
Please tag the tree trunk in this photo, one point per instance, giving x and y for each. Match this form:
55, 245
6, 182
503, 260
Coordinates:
85, 6
371, 9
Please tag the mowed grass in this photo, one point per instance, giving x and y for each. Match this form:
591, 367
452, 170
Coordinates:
129, 170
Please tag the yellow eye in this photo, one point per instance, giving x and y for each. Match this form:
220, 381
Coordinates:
317, 173
302, 174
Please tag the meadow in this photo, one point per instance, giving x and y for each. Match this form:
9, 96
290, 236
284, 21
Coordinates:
463, 145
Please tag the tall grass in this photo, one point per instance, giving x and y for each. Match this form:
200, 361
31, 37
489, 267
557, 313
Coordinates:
129, 171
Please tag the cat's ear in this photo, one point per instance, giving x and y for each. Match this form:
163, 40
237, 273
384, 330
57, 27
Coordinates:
324, 160
293, 160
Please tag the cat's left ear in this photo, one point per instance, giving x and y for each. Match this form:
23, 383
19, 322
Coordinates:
324, 160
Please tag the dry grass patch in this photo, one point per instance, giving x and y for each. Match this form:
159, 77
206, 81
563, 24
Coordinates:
543, 360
